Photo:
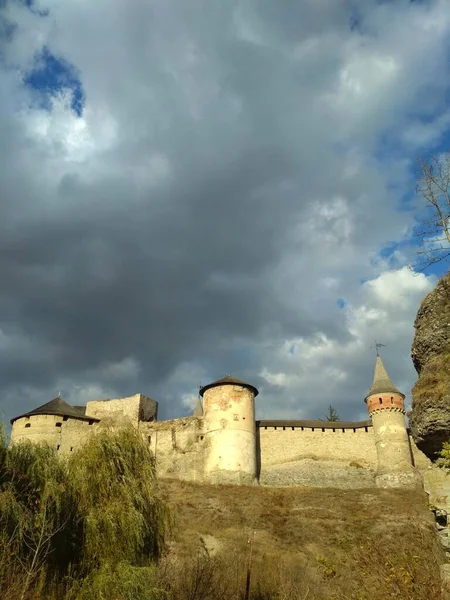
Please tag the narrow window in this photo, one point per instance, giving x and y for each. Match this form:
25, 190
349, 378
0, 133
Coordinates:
323, 429
293, 428
392, 400
312, 428
381, 400
71, 448
354, 430
367, 430
201, 437
91, 422
65, 418
149, 439
58, 447
27, 424
58, 424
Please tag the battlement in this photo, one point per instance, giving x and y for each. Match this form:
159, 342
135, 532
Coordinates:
316, 425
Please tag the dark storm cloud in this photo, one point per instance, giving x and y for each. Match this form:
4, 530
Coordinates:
176, 241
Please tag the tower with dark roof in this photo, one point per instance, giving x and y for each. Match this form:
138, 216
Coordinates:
230, 431
386, 408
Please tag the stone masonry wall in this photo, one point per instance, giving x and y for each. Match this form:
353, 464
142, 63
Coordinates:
179, 447
118, 409
65, 434
340, 458
285, 456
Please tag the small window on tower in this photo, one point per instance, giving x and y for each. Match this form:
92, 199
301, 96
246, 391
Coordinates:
27, 424
58, 424
381, 400
392, 400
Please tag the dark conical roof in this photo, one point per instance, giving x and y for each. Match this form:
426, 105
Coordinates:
59, 407
228, 380
382, 383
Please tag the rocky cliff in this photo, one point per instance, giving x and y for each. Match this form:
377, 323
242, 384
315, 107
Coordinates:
430, 414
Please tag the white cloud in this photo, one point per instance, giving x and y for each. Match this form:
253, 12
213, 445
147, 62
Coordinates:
317, 371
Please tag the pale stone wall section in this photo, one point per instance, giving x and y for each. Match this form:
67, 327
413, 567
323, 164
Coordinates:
395, 460
65, 435
178, 446
296, 457
132, 409
229, 421
391, 441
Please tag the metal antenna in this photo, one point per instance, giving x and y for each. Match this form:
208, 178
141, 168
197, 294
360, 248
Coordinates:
377, 346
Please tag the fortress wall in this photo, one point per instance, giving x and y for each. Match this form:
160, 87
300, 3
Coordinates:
317, 458
178, 446
116, 409
436, 482
67, 436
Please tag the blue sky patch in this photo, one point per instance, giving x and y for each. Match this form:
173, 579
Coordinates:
52, 75
341, 303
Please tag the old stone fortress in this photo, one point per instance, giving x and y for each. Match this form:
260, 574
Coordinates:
223, 443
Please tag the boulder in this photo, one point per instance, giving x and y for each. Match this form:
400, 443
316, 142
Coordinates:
429, 417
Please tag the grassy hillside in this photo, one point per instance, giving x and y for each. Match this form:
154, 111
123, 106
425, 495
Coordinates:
308, 543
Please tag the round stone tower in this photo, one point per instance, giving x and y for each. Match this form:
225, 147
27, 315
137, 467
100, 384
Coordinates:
387, 411
230, 431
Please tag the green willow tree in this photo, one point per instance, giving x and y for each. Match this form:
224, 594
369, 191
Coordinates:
89, 527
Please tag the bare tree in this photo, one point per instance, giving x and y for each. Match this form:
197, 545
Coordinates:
38, 538
434, 187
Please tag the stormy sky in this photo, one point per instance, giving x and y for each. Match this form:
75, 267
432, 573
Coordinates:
192, 189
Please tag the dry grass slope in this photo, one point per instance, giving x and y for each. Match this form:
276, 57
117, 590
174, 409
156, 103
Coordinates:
308, 543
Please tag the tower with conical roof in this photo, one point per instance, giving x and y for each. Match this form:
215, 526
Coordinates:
387, 410
230, 431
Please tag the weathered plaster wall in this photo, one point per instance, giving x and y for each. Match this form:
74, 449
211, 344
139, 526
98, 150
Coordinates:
117, 409
343, 459
65, 434
229, 423
179, 447
389, 427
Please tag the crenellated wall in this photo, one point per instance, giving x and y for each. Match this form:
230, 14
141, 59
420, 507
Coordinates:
343, 457
285, 453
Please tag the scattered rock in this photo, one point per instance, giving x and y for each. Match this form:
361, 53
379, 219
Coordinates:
211, 545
